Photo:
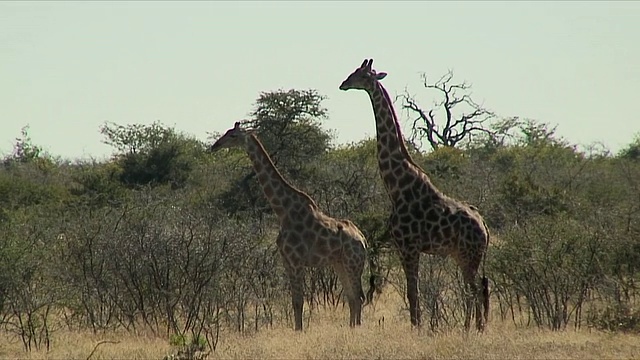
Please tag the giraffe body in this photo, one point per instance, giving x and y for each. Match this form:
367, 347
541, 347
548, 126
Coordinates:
423, 219
307, 236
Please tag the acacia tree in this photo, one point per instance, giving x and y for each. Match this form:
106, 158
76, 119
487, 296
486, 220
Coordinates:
462, 117
631, 151
288, 123
152, 154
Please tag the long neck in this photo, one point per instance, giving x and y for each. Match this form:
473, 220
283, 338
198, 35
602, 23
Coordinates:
275, 187
392, 151
392, 117
393, 157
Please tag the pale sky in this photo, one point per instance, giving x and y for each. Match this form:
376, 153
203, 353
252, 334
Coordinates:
67, 67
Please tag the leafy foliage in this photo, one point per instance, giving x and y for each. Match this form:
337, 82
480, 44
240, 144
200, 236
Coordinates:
632, 151
153, 154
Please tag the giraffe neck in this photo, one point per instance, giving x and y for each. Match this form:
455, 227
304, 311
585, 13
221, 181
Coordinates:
392, 151
275, 187
386, 116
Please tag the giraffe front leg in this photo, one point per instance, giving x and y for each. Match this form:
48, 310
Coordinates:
410, 263
296, 279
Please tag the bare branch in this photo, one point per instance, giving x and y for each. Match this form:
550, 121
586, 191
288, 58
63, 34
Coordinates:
456, 100
100, 343
469, 117
427, 119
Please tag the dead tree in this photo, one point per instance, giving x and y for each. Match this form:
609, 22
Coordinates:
456, 129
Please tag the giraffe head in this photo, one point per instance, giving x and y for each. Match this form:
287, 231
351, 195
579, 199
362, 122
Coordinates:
363, 77
234, 137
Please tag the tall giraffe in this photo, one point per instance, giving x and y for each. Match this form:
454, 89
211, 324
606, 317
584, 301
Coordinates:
307, 237
423, 219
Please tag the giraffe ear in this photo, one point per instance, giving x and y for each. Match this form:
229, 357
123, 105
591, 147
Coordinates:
381, 75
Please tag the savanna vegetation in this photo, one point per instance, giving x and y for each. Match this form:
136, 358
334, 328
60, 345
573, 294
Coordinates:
167, 243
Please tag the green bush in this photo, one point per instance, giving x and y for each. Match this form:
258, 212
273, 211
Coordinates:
619, 317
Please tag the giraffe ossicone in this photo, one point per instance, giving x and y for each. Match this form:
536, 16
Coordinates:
423, 219
307, 237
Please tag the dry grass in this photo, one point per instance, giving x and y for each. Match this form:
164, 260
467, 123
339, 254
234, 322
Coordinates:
327, 337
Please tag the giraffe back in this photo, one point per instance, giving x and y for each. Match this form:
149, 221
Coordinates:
315, 239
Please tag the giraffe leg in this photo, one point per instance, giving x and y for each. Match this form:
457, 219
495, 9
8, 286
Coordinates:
356, 280
485, 299
358, 297
352, 286
481, 319
410, 263
354, 312
473, 302
468, 301
296, 279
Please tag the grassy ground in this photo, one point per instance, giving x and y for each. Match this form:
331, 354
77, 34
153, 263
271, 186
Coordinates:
328, 337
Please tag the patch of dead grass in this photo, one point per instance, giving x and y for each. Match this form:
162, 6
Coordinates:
394, 341
78, 345
328, 337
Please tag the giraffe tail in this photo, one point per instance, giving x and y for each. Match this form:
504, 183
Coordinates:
372, 288
485, 297
368, 298
485, 280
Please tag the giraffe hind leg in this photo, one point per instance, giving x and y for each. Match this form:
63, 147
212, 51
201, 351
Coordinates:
468, 305
477, 295
473, 302
480, 294
471, 297
353, 290
482, 303
358, 296
485, 299
354, 312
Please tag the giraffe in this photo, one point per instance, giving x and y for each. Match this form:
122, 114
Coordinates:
307, 236
423, 219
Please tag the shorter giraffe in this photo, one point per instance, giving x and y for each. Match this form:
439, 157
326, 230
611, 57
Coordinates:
307, 237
